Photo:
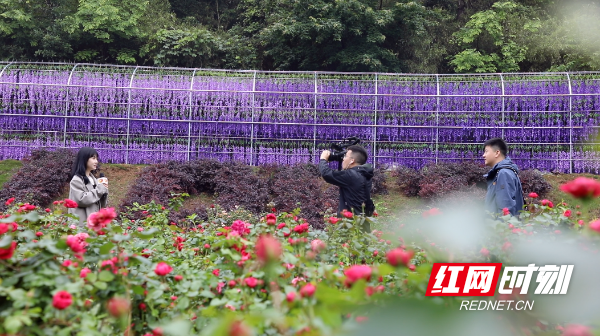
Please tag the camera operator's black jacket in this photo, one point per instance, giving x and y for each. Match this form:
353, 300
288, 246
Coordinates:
355, 185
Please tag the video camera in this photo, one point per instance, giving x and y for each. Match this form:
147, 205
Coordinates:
339, 150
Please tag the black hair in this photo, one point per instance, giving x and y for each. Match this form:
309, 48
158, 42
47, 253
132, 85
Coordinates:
498, 144
80, 164
359, 154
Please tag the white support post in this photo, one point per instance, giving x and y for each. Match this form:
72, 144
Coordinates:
437, 118
314, 151
570, 125
6, 67
375, 124
129, 114
189, 146
503, 105
67, 106
252, 124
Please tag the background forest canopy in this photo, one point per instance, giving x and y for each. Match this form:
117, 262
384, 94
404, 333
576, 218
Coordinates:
426, 36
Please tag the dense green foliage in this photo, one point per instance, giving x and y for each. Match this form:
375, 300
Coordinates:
423, 36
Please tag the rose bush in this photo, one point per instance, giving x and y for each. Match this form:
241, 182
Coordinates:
150, 276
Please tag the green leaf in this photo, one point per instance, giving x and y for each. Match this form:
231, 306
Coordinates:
32, 217
106, 276
177, 328
139, 290
13, 324
8, 219
28, 235
146, 234
385, 269
155, 294
183, 303
106, 248
218, 302
91, 277
100, 285
61, 245
10, 281
207, 294
5, 241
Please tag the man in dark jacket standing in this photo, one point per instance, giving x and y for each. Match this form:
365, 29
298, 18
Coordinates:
354, 180
504, 188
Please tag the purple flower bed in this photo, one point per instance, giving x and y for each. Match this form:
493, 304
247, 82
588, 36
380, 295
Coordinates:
149, 115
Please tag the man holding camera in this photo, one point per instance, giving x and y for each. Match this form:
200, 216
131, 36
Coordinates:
354, 181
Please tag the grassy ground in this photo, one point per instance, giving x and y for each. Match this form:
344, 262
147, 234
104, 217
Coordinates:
7, 168
393, 208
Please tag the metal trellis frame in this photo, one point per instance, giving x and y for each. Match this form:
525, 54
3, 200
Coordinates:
437, 118
400, 116
375, 123
315, 155
252, 124
129, 115
189, 149
570, 125
503, 104
67, 106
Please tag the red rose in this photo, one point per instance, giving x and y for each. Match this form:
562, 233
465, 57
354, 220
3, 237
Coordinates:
301, 228
290, 297
206, 246
333, 220
39, 234
431, 212
357, 272
308, 290
582, 187
280, 226
75, 243
317, 245
595, 225
547, 203
9, 201
347, 214
70, 203
84, 272
577, 330
485, 252
216, 272
118, 306
251, 282
7, 253
162, 269
99, 220
62, 300
3, 228
142, 306
271, 219
268, 248
567, 213
533, 195
157, 331
505, 212
239, 328
178, 278
398, 256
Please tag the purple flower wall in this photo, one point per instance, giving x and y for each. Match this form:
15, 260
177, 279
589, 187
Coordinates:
149, 115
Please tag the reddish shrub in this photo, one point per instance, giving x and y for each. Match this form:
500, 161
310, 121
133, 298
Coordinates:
44, 176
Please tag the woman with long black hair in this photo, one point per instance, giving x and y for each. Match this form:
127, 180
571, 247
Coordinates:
90, 195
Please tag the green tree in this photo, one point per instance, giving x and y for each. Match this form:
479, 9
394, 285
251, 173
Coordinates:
349, 35
495, 40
